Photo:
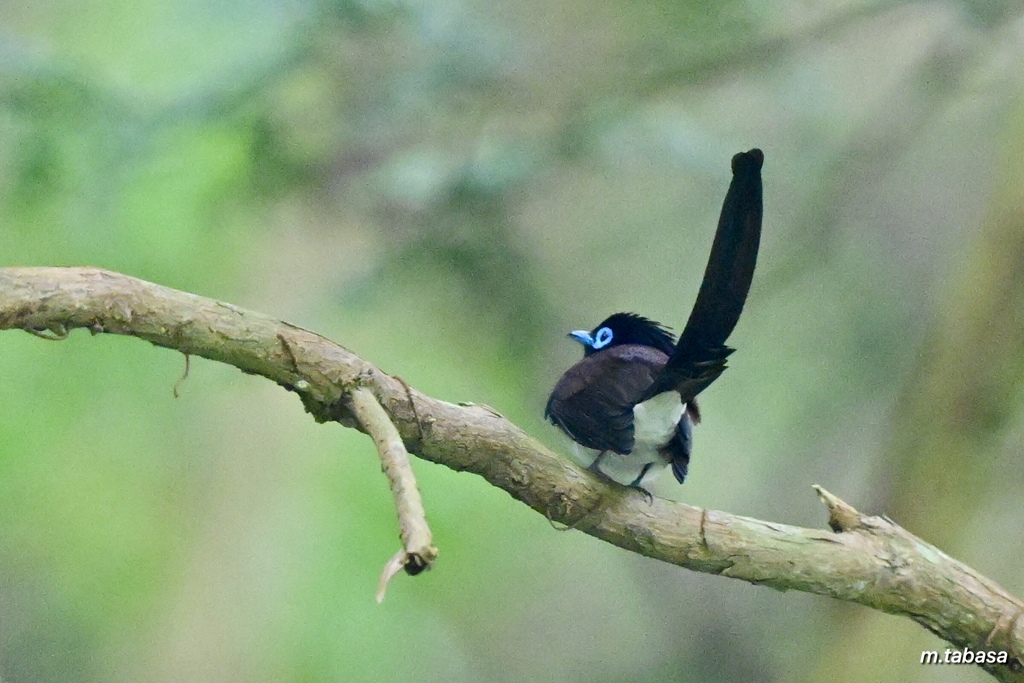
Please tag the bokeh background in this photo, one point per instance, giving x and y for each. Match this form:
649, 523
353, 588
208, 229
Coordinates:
446, 188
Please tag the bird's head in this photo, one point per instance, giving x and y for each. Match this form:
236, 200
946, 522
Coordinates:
625, 328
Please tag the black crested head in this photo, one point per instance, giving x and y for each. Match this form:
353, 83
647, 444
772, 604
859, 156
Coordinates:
625, 328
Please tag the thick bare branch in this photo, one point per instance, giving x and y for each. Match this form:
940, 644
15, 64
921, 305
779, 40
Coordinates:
867, 560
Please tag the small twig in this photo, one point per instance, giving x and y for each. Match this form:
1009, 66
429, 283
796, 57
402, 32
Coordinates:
418, 553
841, 515
184, 375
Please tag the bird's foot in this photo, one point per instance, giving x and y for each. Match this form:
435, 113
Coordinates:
647, 494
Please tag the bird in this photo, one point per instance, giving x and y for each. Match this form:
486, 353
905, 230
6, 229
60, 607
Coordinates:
629, 406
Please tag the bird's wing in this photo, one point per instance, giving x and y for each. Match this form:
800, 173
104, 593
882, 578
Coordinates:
593, 401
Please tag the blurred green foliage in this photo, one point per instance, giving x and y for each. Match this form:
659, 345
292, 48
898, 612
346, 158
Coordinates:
447, 188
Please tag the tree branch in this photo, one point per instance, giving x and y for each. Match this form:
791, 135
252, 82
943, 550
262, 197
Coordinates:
418, 553
864, 559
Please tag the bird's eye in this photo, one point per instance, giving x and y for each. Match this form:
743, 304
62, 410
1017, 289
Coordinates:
603, 338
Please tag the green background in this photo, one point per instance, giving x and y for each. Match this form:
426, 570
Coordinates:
446, 188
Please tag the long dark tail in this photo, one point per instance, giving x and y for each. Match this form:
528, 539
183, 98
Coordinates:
700, 353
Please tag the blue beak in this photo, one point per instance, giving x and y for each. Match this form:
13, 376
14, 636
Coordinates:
583, 337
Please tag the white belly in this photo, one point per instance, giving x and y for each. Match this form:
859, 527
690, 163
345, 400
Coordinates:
655, 421
654, 424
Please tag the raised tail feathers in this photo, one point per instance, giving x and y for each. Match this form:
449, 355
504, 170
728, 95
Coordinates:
699, 355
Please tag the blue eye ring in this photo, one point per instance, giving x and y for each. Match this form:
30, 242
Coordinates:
603, 338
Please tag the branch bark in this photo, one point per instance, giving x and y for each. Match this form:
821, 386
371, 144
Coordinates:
863, 559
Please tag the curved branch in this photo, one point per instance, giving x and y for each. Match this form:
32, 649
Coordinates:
864, 559
418, 553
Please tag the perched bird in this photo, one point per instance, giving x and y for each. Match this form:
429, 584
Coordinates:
630, 404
